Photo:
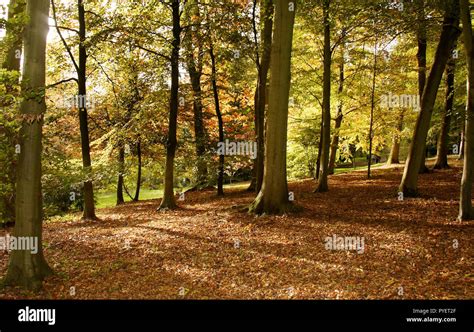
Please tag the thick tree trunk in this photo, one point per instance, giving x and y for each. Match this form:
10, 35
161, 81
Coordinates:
421, 58
139, 171
442, 146
466, 211
89, 207
273, 197
121, 169
25, 268
339, 116
168, 201
449, 34
326, 137
394, 157
215, 92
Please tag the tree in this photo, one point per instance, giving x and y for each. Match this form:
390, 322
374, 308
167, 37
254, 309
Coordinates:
80, 67
273, 197
25, 268
263, 67
168, 201
421, 58
442, 146
194, 59
449, 33
326, 107
466, 211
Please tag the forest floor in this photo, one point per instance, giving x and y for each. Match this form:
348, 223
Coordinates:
209, 248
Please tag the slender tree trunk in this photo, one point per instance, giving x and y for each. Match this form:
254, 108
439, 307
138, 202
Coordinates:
466, 212
195, 63
339, 116
215, 91
25, 268
168, 201
89, 207
394, 157
273, 197
121, 169
442, 146
372, 108
139, 172
421, 58
449, 34
260, 97
320, 148
326, 137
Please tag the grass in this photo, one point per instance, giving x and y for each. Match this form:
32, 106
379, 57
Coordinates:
109, 199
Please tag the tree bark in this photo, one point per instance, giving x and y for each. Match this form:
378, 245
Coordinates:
273, 197
215, 92
466, 212
25, 268
449, 33
372, 108
168, 201
326, 118
442, 144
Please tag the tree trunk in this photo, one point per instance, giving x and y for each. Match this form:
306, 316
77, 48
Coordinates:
448, 36
195, 64
421, 58
139, 172
121, 169
25, 268
372, 108
394, 157
466, 212
260, 98
442, 146
215, 92
168, 201
320, 148
326, 118
273, 197
339, 116
89, 207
